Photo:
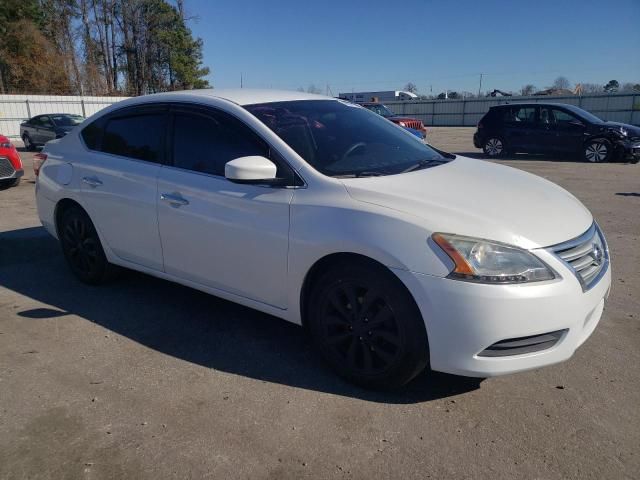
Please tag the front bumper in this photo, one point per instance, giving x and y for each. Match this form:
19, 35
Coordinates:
8, 171
631, 151
464, 319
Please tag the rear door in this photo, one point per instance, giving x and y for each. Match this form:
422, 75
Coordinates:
119, 175
519, 124
229, 236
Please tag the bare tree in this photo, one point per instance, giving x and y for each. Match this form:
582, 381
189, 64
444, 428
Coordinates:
528, 89
591, 88
630, 87
411, 87
561, 83
313, 89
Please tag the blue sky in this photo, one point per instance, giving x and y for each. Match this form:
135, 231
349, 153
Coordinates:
382, 45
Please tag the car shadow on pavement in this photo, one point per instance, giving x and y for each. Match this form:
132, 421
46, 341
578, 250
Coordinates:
188, 324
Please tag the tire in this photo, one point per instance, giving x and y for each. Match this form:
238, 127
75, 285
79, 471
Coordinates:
9, 183
597, 151
380, 344
82, 248
28, 144
494, 147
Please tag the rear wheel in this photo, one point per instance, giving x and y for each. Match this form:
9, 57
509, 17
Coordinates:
82, 248
597, 151
367, 326
494, 147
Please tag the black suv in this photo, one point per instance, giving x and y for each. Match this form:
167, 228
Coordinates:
555, 128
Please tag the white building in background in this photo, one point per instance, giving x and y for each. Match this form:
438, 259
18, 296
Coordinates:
383, 96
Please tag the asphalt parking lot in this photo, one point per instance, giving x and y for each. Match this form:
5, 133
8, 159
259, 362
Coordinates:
147, 379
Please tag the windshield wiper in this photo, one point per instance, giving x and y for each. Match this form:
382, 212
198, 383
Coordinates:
361, 174
423, 164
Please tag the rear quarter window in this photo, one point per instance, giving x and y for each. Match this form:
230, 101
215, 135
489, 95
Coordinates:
91, 135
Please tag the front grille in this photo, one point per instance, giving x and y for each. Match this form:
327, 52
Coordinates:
522, 345
415, 125
6, 169
587, 256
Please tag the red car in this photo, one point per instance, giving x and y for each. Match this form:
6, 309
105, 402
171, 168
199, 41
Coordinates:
406, 122
10, 164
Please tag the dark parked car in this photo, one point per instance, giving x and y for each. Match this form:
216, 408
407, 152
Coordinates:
555, 128
42, 128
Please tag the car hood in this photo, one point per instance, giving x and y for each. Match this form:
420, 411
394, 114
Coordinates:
397, 118
480, 199
632, 129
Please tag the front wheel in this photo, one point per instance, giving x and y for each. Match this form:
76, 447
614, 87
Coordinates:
597, 151
494, 147
9, 183
28, 144
367, 326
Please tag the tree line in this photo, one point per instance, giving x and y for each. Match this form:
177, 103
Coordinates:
98, 47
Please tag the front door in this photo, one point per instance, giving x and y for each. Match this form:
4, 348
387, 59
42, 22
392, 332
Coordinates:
228, 236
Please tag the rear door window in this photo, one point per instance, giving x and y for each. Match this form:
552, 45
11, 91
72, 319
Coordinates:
520, 115
137, 136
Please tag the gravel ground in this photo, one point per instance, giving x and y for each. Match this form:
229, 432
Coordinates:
148, 379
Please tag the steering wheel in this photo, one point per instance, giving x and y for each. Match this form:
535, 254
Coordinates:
352, 149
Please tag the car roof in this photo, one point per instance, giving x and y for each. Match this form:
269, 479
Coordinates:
535, 104
240, 96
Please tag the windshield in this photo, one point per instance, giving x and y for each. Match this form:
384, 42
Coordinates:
342, 139
590, 117
67, 120
379, 109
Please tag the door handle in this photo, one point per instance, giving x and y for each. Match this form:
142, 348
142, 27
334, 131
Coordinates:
174, 199
92, 181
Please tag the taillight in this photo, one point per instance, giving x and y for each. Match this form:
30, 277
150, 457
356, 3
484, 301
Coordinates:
38, 160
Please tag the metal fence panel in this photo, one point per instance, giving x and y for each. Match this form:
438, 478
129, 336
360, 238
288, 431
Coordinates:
14, 109
623, 107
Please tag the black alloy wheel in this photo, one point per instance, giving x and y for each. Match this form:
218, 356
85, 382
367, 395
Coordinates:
82, 248
367, 326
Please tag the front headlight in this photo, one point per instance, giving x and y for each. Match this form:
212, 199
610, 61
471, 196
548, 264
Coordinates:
402, 124
483, 261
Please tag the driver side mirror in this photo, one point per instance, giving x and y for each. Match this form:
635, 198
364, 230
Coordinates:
253, 169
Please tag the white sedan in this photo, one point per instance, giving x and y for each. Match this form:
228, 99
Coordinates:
394, 255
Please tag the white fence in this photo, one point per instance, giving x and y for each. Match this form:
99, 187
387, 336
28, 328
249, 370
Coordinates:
14, 109
622, 107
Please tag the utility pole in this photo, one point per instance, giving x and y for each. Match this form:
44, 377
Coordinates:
480, 87
240, 79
